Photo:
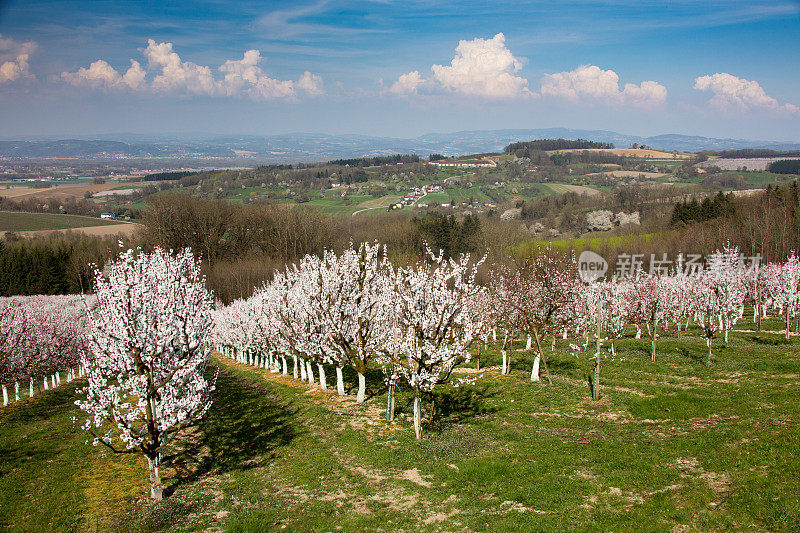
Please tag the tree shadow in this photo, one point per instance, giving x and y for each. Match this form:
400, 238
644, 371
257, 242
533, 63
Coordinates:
457, 404
770, 341
244, 427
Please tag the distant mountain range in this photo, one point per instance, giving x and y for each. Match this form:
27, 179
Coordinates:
298, 147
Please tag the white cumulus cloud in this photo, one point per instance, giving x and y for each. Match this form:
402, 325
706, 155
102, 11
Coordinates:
407, 84
178, 75
311, 84
485, 68
244, 76
734, 93
102, 75
169, 74
14, 56
593, 83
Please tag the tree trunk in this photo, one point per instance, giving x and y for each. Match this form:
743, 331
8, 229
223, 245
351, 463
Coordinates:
323, 382
787, 324
653, 353
5, 396
541, 355
310, 372
528, 343
478, 358
46, 384
362, 388
535, 369
726, 337
30, 389
156, 491
708, 342
303, 370
418, 416
283, 366
339, 381
294, 371
505, 364
494, 334
16, 391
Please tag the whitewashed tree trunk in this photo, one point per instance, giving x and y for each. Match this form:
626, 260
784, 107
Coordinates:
53, 381
30, 389
284, 368
494, 334
528, 343
46, 383
156, 491
726, 336
58, 378
418, 416
787, 325
5, 396
638, 332
310, 372
505, 363
535, 369
16, 391
362, 388
339, 381
295, 370
323, 382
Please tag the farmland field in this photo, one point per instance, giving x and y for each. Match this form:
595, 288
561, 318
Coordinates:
671, 443
19, 221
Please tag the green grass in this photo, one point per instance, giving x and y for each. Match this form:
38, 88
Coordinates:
19, 221
669, 443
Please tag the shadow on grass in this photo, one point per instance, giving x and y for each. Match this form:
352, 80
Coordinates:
770, 341
458, 404
244, 427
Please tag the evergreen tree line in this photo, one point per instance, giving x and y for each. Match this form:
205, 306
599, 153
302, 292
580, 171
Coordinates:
710, 208
161, 176
749, 153
785, 166
521, 149
55, 265
375, 161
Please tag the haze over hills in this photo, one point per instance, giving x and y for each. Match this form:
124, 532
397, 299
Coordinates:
298, 147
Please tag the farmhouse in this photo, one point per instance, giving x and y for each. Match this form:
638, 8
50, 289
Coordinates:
464, 163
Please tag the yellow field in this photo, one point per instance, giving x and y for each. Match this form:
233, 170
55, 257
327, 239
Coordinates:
63, 191
631, 152
99, 231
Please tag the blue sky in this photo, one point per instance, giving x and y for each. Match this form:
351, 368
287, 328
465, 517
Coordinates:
725, 69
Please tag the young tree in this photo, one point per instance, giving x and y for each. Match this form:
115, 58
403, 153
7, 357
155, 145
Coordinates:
543, 291
434, 327
150, 342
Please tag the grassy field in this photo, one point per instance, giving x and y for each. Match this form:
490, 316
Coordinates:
18, 221
671, 445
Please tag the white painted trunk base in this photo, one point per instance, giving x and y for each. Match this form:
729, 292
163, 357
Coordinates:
535, 369
339, 381
323, 382
362, 388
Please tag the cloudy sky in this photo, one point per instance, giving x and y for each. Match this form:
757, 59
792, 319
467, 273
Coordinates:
400, 68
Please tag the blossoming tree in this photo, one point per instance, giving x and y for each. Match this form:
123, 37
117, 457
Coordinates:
149, 342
